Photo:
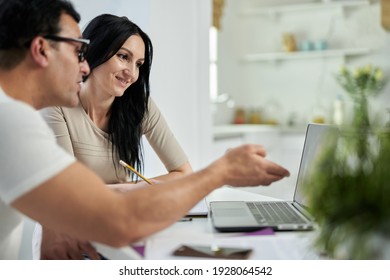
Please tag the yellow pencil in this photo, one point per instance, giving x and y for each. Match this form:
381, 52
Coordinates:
135, 171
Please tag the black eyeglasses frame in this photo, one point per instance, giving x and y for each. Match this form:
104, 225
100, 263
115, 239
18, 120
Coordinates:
84, 44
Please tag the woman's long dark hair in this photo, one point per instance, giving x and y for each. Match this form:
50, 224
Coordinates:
107, 34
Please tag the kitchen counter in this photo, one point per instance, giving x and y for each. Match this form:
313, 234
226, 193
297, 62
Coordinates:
238, 130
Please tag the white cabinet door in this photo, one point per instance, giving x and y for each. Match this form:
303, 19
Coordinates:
284, 148
221, 145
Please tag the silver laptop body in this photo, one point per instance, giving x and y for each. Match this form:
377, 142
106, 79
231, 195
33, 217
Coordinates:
228, 216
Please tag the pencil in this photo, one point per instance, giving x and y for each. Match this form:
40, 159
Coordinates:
124, 164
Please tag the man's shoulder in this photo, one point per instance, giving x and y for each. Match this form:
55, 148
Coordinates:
15, 114
14, 107
9, 102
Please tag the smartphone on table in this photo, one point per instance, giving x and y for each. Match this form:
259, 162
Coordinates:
215, 252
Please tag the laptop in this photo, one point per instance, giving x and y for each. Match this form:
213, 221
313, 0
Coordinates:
230, 216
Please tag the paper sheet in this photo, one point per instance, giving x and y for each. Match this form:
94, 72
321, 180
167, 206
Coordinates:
199, 209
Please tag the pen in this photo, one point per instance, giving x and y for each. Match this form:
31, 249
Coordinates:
185, 219
124, 164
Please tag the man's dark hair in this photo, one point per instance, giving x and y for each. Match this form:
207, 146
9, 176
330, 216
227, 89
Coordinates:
22, 20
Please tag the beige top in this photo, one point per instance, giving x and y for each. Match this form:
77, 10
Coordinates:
78, 135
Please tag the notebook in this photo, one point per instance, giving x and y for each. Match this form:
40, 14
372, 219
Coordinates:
199, 210
280, 215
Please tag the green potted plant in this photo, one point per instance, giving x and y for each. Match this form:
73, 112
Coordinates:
349, 189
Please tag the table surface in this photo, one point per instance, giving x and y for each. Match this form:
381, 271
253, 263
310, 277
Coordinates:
199, 231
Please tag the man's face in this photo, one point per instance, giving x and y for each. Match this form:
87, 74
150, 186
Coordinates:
66, 72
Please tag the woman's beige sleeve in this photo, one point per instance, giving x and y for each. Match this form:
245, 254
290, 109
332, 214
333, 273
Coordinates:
162, 140
54, 117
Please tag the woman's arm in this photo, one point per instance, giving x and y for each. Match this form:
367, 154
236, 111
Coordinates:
125, 187
54, 117
175, 173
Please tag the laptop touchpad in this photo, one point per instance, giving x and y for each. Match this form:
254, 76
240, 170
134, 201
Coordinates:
231, 212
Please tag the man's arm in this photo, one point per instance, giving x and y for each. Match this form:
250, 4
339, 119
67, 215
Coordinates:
77, 202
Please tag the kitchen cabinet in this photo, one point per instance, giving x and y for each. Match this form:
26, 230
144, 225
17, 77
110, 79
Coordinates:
283, 145
221, 145
229, 136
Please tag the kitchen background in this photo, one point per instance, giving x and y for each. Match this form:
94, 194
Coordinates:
253, 72
256, 73
263, 76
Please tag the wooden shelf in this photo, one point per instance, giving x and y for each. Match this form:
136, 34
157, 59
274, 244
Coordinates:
277, 9
299, 55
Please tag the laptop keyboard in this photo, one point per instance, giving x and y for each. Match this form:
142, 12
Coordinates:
274, 213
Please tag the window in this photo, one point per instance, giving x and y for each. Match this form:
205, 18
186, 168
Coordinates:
213, 56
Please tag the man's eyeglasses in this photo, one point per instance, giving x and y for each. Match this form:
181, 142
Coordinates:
82, 52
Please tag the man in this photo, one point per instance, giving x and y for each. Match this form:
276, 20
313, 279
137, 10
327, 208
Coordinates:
42, 64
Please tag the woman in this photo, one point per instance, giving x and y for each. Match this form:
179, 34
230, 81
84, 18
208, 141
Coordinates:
115, 109
114, 112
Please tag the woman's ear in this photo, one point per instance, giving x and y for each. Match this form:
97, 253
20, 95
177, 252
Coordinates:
39, 49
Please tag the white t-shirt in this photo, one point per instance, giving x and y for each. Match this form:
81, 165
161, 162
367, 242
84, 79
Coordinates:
29, 156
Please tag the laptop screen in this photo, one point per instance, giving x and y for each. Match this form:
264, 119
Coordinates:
316, 136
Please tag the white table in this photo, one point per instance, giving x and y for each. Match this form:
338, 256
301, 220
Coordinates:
199, 231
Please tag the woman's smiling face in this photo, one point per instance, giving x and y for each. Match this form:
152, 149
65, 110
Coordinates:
122, 69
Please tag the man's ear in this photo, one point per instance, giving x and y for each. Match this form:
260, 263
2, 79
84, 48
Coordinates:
39, 50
